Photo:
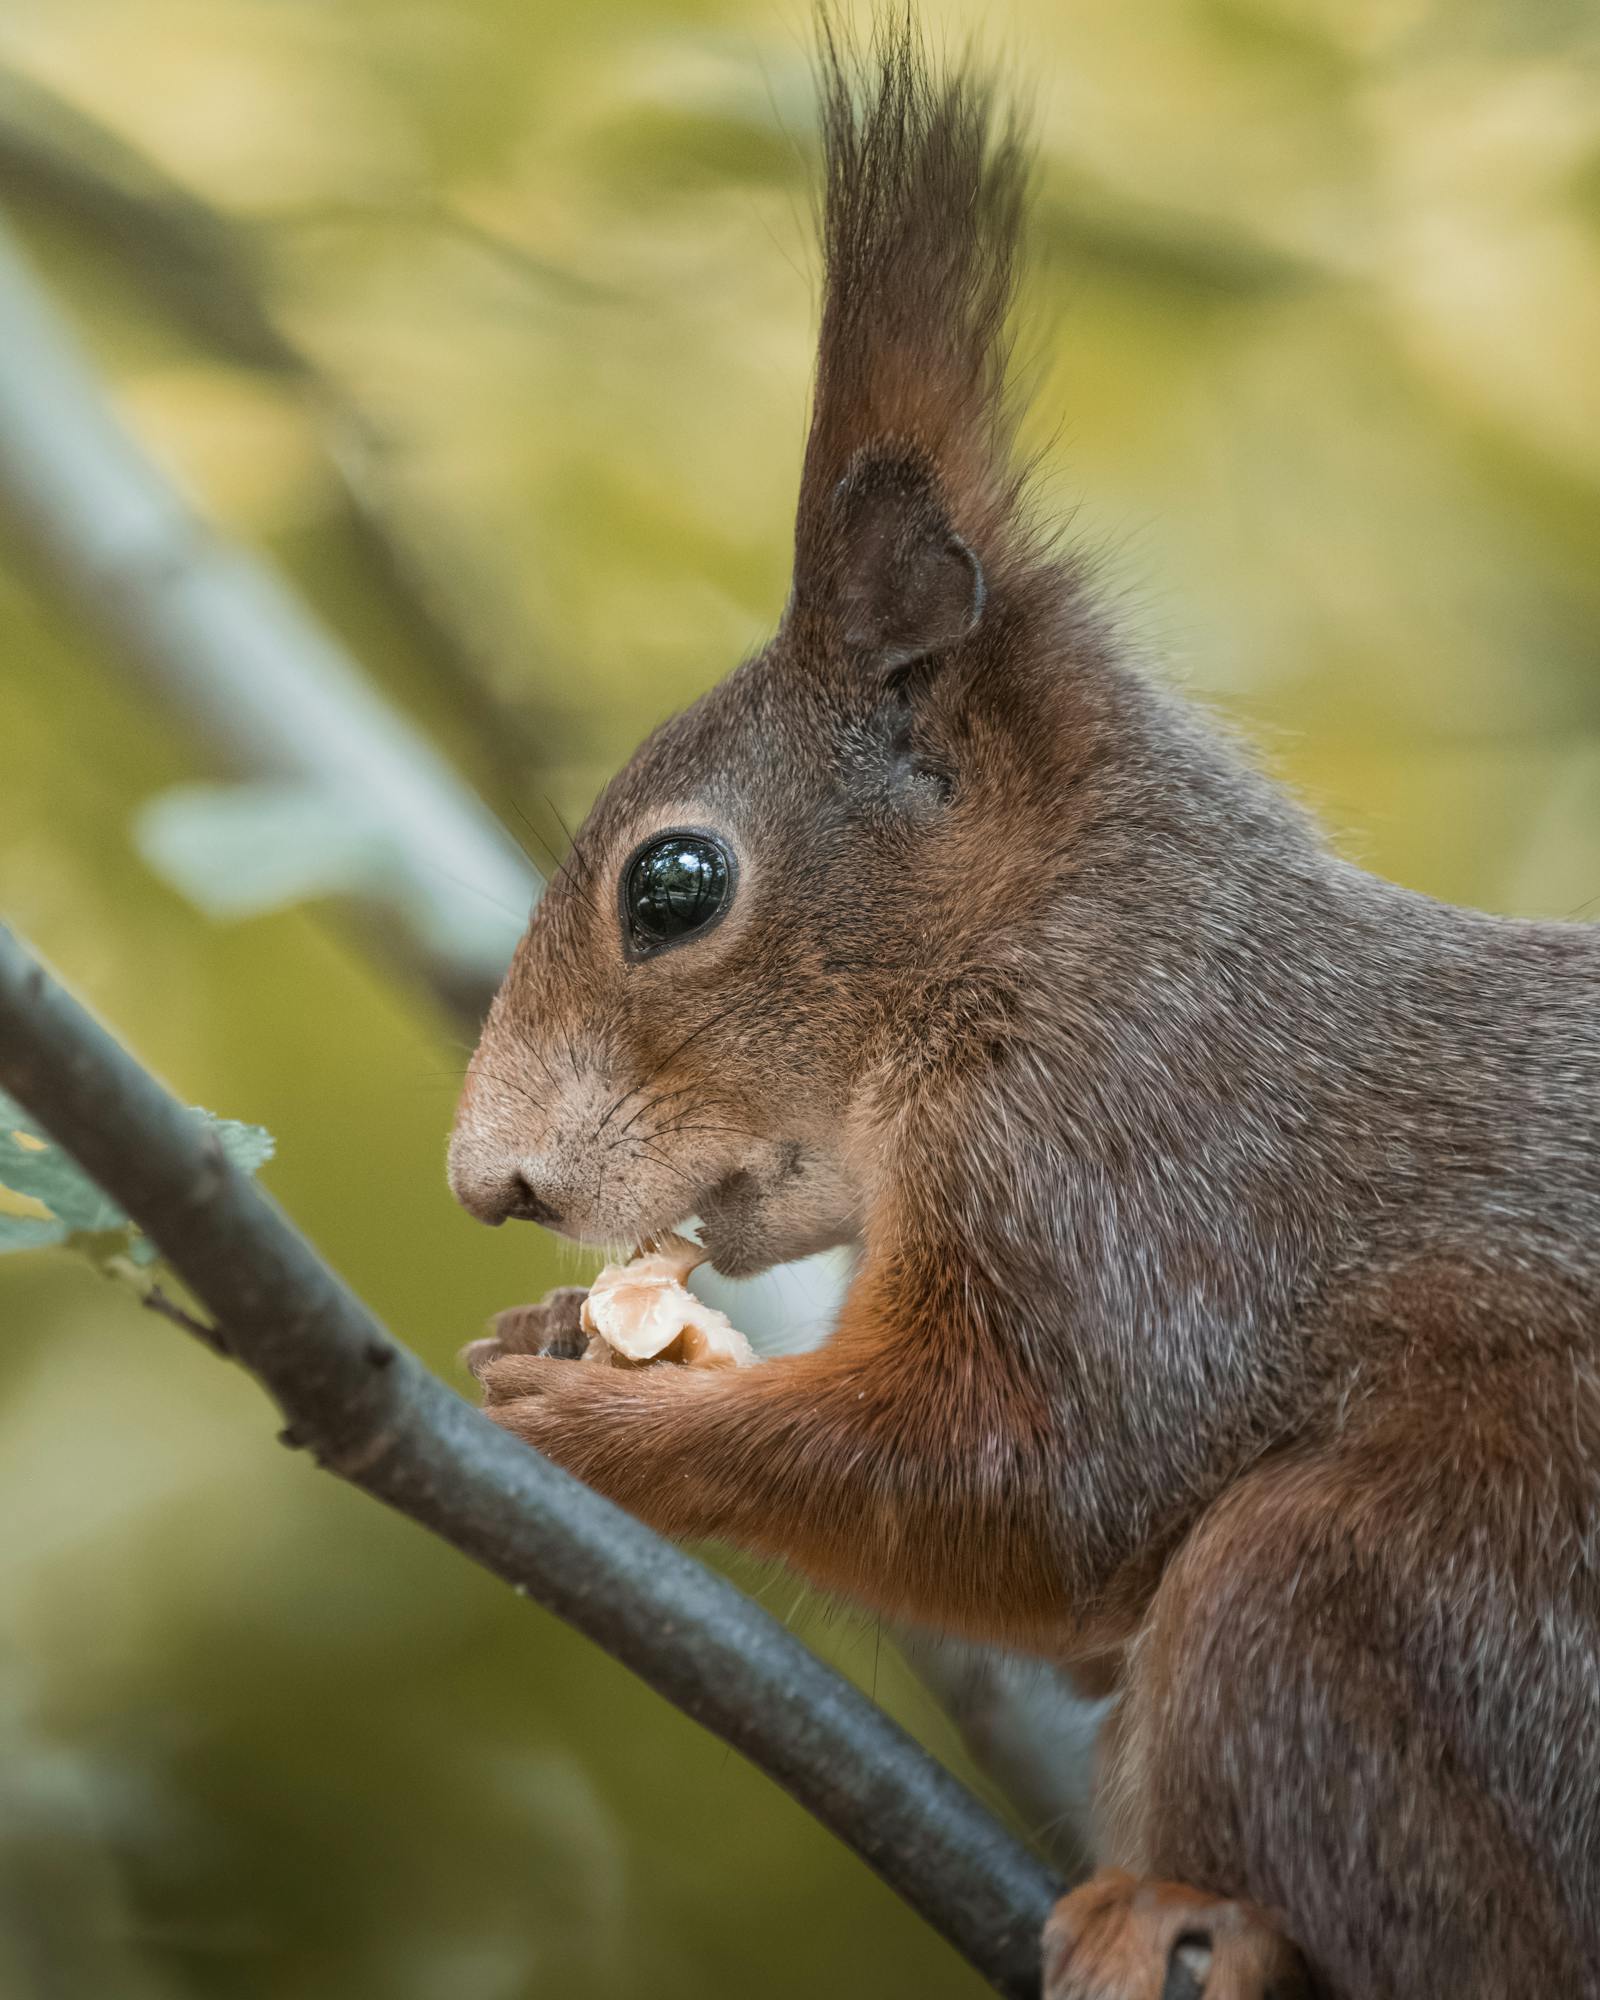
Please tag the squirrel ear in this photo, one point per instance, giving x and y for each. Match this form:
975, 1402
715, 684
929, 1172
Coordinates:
904, 583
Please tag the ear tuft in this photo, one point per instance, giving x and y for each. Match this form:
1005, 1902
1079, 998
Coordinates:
905, 583
924, 186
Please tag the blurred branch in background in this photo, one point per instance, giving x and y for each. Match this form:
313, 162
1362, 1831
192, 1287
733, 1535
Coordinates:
370, 1412
245, 666
206, 270
56, 157
1025, 1726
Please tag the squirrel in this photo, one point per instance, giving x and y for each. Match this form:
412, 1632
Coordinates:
1226, 1319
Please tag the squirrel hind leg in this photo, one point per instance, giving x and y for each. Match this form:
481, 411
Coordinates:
1333, 1706
1120, 1938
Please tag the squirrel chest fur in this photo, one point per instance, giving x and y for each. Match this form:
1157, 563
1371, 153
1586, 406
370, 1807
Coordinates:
1228, 1309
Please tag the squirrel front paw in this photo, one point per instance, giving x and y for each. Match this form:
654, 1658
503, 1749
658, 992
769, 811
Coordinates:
1118, 1938
553, 1327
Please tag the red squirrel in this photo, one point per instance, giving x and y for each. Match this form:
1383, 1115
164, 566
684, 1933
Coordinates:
1227, 1312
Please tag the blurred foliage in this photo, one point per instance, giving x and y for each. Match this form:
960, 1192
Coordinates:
1314, 325
46, 1199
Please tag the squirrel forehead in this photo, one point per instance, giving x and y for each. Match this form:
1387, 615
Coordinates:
766, 739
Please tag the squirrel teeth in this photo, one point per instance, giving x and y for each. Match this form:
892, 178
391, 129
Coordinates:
643, 1311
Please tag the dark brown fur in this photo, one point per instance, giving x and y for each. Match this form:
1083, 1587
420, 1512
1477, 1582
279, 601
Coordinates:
1229, 1300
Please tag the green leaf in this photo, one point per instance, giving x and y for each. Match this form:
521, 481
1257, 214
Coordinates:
47, 1200
237, 850
25, 1232
249, 1147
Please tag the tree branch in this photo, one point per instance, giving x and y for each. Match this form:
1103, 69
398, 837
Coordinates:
227, 642
370, 1412
206, 267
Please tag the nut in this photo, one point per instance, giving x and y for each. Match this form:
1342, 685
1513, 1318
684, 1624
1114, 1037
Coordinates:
643, 1311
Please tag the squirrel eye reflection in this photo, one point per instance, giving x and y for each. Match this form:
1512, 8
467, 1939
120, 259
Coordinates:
674, 887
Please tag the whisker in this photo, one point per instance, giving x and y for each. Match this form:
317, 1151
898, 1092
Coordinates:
671, 1056
661, 1097
670, 1167
577, 857
727, 1131
550, 854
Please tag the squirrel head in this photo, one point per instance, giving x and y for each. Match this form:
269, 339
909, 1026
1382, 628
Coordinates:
691, 1022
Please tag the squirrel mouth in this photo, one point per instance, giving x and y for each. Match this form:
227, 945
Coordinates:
765, 1211
687, 1228
695, 1222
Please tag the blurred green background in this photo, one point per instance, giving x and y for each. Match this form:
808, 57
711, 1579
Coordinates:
1315, 324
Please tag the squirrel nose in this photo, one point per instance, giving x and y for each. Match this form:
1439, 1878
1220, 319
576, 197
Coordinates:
525, 1203
511, 1198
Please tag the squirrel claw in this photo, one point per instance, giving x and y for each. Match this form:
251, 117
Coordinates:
1119, 1938
550, 1328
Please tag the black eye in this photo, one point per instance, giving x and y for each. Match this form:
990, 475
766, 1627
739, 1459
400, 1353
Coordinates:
675, 886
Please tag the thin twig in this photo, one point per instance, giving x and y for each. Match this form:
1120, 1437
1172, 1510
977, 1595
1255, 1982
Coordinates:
157, 1301
371, 1413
